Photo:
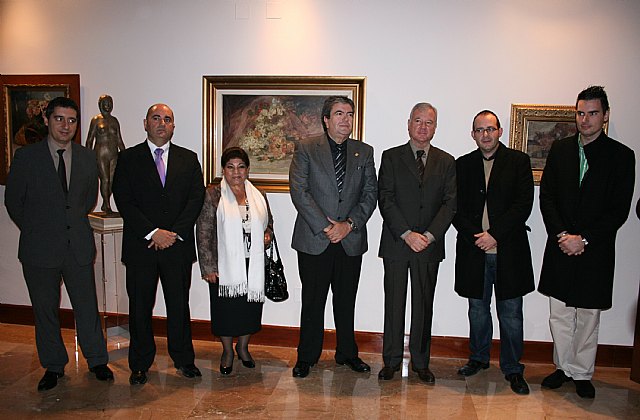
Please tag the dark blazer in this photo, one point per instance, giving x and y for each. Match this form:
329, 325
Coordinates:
595, 210
36, 203
314, 193
146, 205
408, 204
509, 198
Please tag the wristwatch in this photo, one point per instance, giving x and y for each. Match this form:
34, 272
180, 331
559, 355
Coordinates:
352, 224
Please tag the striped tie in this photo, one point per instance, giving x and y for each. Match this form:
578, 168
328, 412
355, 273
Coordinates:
339, 165
419, 163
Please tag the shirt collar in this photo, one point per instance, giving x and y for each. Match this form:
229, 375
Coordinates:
153, 147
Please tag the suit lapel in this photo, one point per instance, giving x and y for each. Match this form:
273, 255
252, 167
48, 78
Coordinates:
148, 166
47, 161
496, 169
353, 161
409, 161
173, 165
326, 159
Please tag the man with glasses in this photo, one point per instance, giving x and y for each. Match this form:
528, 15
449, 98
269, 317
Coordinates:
52, 186
585, 197
417, 199
495, 197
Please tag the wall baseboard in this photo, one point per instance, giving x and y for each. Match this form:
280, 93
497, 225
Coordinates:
369, 342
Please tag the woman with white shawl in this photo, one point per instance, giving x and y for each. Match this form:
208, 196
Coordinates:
233, 230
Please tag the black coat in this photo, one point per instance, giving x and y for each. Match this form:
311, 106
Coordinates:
595, 210
145, 204
509, 198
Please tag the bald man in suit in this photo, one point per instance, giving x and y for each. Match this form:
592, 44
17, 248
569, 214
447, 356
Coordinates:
159, 191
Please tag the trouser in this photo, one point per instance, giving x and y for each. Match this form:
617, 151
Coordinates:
423, 283
510, 320
575, 338
332, 268
44, 291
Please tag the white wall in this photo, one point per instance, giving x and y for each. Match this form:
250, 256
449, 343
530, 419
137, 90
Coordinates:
461, 55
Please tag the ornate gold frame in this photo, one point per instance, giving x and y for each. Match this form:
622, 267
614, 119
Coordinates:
215, 87
69, 83
523, 116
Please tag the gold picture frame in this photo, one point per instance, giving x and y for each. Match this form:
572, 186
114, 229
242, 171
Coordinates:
535, 127
24, 98
267, 115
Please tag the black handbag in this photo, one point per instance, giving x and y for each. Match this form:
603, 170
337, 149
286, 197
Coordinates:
275, 285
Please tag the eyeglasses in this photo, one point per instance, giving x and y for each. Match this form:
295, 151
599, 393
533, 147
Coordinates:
60, 119
488, 130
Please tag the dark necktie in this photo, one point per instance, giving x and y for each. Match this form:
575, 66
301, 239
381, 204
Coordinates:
62, 171
339, 165
420, 164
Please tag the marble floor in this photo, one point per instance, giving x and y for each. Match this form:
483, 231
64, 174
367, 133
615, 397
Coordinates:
269, 390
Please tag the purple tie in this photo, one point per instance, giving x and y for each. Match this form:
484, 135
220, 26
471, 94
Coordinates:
160, 164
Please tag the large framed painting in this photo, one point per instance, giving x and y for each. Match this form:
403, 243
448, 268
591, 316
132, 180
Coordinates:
535, 127
267, 116
24, 99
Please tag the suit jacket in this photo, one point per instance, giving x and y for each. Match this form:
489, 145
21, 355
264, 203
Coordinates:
596, 210
407, 203
509, 198
314, 193
52, 226
145, 204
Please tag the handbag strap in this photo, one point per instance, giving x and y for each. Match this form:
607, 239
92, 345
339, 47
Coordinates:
274, 244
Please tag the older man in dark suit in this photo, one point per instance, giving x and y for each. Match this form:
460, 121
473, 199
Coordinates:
495, 197
585, 197
51, 188
417, 197
333, 187
159, 191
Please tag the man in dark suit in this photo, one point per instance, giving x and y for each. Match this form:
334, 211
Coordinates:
417, 198
495, 197
333, 187
585, 197
159, 191
51, 188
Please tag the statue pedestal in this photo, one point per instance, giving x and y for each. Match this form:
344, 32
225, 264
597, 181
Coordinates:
111, 295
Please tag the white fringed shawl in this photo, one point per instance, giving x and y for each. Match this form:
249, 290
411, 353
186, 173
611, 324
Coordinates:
233, 278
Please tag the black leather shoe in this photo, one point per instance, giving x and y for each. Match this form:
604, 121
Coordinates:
585, 389
518, 384
472, 367
138, 377
386, 373
102, 372
226, 370
356, 364
425, 375
49, 380
249, 363
301, 369
555, 380
189, 371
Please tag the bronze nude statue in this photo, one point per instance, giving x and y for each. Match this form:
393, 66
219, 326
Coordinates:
105, 138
